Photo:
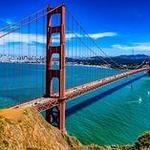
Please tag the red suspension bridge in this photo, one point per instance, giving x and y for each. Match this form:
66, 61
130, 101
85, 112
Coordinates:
54, 38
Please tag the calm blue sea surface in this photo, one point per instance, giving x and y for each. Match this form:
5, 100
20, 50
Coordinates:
115, 114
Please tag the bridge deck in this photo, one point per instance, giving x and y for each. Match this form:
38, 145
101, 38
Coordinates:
43, 103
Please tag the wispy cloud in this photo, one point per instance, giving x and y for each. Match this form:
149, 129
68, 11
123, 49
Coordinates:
136, 46
7, 21
32, 38
103, 35
94, 36
40, 38
23, 38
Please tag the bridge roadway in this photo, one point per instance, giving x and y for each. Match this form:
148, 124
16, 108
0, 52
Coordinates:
42, 104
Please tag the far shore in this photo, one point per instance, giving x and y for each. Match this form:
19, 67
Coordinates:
94, 66
67, 64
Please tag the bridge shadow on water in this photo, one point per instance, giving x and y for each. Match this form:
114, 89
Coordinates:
72, 110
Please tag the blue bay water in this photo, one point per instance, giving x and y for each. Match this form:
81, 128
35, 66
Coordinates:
115, 114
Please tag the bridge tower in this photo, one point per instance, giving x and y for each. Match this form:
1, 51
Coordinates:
56, 115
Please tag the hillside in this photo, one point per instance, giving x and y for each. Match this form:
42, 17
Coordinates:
25, 129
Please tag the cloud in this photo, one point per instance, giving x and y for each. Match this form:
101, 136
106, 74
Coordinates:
26, 38
102, 35
16, 37
7, 21
136, 47
94, 36
23, 38
121, 47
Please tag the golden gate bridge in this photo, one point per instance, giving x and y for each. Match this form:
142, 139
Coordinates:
55, 38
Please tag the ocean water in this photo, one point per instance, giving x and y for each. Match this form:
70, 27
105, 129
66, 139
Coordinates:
115, 114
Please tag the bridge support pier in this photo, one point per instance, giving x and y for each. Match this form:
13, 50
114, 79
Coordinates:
62, 123
56, 115
52, 116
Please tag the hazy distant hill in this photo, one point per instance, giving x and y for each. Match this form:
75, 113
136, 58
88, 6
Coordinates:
122, 59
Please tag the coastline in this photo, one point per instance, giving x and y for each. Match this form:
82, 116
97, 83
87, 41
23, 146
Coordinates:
94, 66
67, 64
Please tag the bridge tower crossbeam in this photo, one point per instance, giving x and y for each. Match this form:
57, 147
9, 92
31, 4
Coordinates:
56, 115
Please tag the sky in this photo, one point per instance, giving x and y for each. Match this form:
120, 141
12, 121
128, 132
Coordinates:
117, 26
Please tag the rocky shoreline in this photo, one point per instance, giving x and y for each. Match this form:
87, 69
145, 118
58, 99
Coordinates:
26, 129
